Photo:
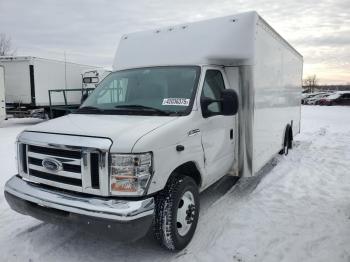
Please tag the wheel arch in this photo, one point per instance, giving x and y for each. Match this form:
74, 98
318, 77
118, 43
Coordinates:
189, 169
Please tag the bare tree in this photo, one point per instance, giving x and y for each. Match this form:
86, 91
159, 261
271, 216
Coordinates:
6, 48
310, 83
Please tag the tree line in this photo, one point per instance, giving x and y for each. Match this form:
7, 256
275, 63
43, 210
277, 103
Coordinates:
6, 46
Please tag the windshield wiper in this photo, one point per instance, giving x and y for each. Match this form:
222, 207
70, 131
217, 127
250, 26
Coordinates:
141, 107
89, 109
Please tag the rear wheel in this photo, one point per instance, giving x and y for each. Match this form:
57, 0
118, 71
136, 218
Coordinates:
177, 212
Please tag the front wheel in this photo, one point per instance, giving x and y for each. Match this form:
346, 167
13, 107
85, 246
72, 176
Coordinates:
177, 212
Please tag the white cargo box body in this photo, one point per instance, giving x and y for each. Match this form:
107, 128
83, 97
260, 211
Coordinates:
260, 65
28, 79
2, 94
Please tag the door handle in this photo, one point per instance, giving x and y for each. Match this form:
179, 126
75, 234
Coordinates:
231, 133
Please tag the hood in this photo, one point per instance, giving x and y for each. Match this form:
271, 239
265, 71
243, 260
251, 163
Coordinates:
123, 130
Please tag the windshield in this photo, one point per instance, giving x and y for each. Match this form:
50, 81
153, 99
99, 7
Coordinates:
157, 90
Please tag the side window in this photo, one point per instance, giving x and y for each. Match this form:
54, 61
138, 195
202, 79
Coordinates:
213, 85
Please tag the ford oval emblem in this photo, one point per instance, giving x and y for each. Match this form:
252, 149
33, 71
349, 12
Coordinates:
51, 164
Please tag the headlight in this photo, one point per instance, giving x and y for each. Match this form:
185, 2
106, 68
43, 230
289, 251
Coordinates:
130, 173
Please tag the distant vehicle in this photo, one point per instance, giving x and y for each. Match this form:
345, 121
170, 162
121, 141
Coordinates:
306, 97
91, 78
314, 100
338, 98
2, 94
28, 80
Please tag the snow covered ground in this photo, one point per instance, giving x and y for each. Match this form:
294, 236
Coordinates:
296, 210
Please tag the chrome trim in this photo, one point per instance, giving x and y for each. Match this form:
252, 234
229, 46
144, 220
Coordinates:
86, 171
85, 145
20, 159
54, 184
121, 210
193, 132
86, 174
61, 141
52, 165
104, 172
58, 173
64, 160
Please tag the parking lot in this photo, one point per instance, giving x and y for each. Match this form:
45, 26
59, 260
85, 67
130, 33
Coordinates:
298, 209
327, 98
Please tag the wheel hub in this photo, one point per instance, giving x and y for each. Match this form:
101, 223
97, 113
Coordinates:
190, 214
185, 213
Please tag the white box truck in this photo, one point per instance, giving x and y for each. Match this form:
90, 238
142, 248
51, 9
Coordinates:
28, 80
196, 102
2, 94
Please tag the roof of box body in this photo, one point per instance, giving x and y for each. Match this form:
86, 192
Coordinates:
16, 58
224, 41
31, 58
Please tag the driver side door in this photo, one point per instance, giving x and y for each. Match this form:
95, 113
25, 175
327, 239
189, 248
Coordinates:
216, 130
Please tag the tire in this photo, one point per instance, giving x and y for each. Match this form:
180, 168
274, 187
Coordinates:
176, 213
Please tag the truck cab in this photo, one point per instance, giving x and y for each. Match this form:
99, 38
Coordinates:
169, 121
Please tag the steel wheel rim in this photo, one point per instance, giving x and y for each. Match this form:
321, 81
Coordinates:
185, 213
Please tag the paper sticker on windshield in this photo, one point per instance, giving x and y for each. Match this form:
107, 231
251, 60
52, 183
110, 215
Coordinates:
176, 102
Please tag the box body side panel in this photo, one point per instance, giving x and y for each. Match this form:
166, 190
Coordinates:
277, 94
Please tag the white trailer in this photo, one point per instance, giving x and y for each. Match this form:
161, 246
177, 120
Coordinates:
2, 94
197, 102
28, 80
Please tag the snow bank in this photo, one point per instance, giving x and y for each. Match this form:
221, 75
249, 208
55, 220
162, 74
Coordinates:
298, 209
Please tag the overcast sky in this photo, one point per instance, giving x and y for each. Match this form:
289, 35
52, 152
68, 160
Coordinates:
89, 30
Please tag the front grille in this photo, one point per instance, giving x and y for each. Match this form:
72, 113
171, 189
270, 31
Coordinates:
51, 177
66, 167
55, 152
95, 181
74, 169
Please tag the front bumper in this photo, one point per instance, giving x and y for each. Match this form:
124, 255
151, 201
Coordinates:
129, 219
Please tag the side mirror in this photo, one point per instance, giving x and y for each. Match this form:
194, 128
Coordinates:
229, 101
